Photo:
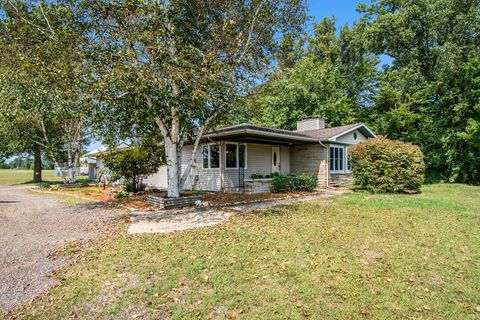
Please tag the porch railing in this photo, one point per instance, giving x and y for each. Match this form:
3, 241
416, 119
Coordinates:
241, 178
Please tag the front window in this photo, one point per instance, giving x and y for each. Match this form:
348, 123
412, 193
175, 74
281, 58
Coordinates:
211, 156
235, 156
231, 155
336, 159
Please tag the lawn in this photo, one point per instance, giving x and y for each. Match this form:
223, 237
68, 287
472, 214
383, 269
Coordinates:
11, 177
354, 256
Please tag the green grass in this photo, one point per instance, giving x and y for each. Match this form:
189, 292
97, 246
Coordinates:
351, 257
12, 177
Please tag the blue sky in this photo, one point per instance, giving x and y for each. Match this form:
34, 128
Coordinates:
343, 10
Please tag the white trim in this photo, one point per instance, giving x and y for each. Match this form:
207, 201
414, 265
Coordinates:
343, 170
352, 129
237, 155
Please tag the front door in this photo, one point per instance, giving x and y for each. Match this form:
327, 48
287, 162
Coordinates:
275, 159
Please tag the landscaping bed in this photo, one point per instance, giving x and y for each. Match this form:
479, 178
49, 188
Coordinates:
108, 195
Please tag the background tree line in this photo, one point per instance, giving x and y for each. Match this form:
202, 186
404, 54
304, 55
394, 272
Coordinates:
428, 93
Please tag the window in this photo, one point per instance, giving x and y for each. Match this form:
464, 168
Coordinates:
214, 156
235, 156
349, 157
231, 155
211, 156
336, 159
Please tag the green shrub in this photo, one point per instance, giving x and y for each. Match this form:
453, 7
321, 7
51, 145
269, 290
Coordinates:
44, 185
120, 195
304, 182
281, 183
256, 176
383, 165
84, 183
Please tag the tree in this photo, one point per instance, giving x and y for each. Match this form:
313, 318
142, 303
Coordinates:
334, 79
428, 95
134, 164
181, 63
42, 104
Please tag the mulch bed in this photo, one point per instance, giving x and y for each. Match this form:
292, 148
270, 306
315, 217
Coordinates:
226, 199
139, 202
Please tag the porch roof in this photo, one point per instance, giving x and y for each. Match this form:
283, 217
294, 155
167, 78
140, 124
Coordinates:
246, 132
251, 133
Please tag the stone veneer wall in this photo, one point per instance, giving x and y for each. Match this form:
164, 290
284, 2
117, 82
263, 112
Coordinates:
310, 158
340, 179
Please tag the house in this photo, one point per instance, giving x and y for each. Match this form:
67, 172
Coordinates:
228, 158
93, 160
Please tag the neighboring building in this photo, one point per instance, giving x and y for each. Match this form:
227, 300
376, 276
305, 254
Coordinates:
92, 161
229, 156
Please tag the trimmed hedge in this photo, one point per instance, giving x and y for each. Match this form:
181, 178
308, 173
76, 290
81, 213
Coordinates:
384, 165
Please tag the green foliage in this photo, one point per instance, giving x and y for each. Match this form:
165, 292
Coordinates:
120, 195
44, 185
332, 80
196, 192
304, 182
84, 183
383, 165
281, 183
134, 164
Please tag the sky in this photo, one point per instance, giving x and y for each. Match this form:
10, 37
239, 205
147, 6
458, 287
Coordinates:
343, 10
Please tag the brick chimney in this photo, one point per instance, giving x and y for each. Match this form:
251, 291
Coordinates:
310, 123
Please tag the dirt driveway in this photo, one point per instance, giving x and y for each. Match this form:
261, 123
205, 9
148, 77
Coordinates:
31, 227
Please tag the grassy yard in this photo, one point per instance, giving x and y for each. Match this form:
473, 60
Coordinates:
11, 177
351, 257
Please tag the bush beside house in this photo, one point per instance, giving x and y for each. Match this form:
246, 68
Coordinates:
134, 164
303, 182
384, 165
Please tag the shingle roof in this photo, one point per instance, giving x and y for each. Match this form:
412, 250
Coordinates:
327, 133
320, 134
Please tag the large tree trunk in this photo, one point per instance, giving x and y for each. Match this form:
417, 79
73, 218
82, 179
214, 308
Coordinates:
173, 168
37, 166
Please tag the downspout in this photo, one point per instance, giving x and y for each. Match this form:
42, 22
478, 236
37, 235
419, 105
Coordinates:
327, 164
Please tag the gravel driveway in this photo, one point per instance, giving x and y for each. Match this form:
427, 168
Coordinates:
32, 226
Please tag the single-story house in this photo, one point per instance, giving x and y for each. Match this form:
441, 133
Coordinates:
229, 157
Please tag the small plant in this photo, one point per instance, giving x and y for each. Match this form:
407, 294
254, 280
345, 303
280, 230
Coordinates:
44, 185
198, 192
120, 195
84, 183
281, 183
256, 176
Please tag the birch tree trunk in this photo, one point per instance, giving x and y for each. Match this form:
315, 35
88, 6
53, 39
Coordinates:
173, 168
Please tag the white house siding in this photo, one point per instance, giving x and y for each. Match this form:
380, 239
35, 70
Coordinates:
349, 138
259, 161
158, 179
